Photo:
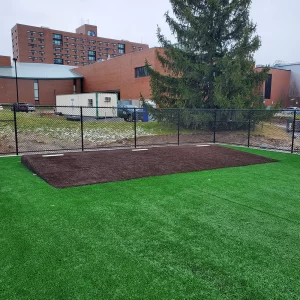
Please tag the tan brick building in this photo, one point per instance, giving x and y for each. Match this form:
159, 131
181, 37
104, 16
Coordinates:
45, 45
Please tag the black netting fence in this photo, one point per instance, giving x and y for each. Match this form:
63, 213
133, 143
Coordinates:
48, 128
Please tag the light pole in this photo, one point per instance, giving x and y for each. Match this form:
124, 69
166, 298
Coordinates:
15, 60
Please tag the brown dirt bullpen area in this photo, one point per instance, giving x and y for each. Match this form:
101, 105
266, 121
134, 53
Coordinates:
82, 168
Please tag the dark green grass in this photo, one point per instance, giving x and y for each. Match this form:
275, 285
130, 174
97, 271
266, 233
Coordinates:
222, 234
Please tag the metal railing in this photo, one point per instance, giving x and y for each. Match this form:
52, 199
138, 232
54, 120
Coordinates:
82, 128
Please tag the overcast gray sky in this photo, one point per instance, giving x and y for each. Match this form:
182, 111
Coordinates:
137, 20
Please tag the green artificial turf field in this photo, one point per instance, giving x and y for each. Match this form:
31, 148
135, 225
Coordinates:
221, 234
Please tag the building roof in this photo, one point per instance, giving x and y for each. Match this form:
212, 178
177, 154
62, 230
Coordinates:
39, 71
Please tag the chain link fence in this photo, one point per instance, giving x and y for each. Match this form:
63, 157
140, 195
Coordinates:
55, 129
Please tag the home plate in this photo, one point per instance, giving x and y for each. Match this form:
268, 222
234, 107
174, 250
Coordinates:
52, 155
202, 145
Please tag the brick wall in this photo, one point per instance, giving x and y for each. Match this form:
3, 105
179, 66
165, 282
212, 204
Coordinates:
21, 35
118, 74
279, 88
47, 90
5, 61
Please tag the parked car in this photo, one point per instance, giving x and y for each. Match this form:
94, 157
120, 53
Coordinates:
130, 113
1, 107
25, 107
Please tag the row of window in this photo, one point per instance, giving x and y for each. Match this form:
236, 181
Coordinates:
121, 51
60, 61
35, 51
90, 54
34, 58
35, 45
32, 32
83, 40
34, 39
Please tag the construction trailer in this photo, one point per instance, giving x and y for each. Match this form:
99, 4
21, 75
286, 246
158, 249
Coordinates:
98, 105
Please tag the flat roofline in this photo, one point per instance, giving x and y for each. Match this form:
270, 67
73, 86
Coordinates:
39, 78
80, 34
117, 57
273, 68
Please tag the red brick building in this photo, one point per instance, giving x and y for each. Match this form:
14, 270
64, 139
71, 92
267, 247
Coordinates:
125, 75
45, 45
37, 83
277, 88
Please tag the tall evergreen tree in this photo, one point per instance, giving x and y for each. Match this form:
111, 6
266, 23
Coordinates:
212, 66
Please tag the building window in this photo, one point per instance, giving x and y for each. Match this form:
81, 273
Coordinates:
121, 48
91, 55
57, 39
58, 61
57, 42
141, 72
90, 102
107, 99
36, 90
91, 33
268, 87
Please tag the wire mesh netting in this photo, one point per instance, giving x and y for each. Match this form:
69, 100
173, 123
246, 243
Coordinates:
196, 126
103, 128
48, 128
232, 126
7, 130
272, 129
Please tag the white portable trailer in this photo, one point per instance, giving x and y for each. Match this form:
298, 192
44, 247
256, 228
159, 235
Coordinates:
98, 105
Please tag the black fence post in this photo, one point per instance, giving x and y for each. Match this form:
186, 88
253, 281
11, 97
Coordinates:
178, 127
249, 128
293, 135
81, 129
215, 124
134, 126
16, 131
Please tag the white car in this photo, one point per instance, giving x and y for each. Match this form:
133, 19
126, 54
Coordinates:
1, 107
291, 109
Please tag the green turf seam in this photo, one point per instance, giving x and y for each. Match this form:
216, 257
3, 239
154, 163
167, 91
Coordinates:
253, 208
